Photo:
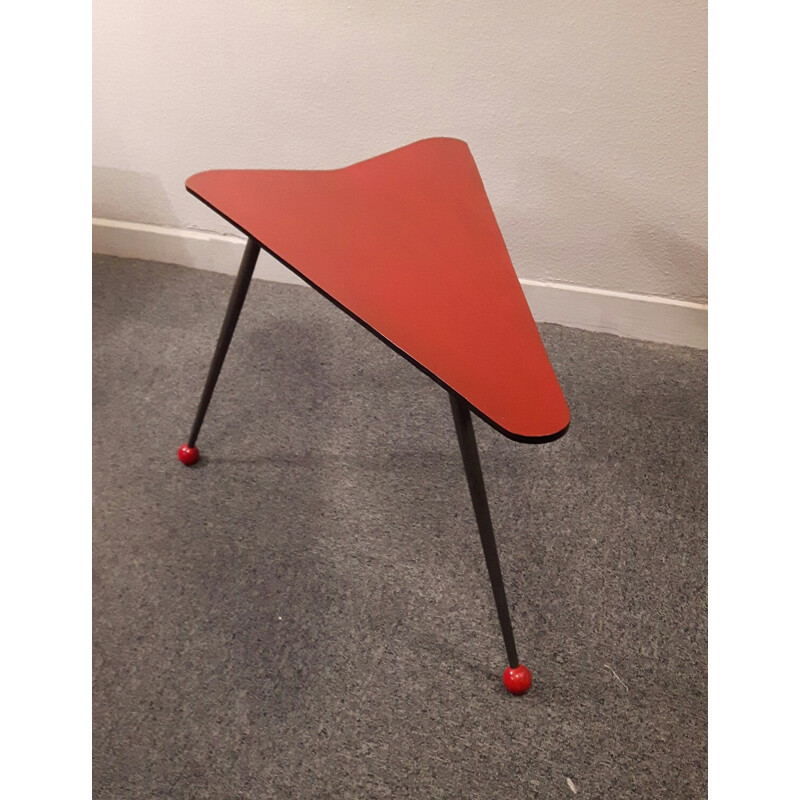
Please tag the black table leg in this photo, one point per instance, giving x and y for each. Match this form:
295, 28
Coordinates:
517, 678
188, 453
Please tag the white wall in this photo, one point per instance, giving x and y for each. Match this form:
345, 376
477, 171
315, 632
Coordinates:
587, 119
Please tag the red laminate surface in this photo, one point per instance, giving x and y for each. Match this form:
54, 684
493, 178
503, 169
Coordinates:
407, 243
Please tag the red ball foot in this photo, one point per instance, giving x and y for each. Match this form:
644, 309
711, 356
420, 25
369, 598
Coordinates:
517, 679
188, 455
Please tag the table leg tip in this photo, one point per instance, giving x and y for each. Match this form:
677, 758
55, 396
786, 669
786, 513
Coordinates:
188, 455
517, 679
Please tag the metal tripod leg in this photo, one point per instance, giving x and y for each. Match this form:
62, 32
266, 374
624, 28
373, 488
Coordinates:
188, 453
517, 678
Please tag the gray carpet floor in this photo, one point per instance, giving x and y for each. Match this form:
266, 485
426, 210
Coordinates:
307, 614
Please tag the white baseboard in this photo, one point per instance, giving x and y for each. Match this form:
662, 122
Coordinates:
636, 316
216, 252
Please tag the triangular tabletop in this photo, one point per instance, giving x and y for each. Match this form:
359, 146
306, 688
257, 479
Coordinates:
408, 245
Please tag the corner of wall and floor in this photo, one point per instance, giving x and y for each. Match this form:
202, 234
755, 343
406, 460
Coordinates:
636, 316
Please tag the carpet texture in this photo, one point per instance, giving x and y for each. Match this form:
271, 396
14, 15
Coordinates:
307, 614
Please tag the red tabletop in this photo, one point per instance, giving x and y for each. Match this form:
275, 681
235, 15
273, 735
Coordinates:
407, 244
